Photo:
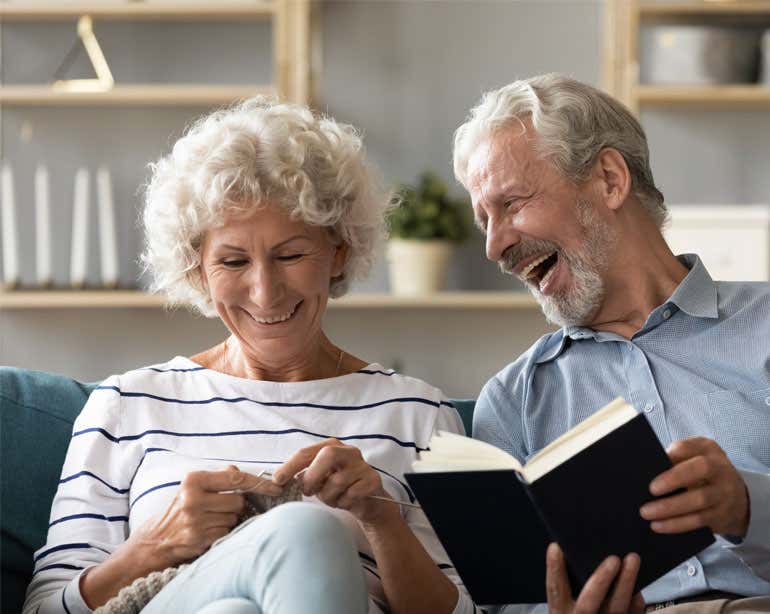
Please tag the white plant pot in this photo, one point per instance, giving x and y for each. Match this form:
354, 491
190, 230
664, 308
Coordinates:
418, 266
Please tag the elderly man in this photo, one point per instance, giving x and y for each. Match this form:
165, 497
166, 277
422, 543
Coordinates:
561, 187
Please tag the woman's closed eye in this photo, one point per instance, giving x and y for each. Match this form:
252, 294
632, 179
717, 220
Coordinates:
234, 264
289, 257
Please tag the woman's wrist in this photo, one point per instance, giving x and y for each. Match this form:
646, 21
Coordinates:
98, 584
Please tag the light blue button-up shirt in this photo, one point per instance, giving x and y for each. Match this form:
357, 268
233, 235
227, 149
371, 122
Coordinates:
700, 367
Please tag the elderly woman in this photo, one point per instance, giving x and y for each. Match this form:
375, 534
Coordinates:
258, 216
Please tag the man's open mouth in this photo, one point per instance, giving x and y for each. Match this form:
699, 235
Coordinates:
539, 271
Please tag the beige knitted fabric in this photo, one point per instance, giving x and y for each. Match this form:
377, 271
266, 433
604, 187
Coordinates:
132, 598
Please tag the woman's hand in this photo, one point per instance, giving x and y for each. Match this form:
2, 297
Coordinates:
203, 510
200, 514
340, 477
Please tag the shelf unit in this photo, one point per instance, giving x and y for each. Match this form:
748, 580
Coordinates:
623, 19
101, 299
133, 95
294, 56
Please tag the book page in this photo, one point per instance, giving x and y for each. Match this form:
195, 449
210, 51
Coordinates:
453, 452
578, 438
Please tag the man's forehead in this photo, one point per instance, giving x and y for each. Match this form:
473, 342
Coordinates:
503, 159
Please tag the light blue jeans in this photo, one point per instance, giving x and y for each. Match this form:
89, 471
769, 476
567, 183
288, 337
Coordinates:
296, 558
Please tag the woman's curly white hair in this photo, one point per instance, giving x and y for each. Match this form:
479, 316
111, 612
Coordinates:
238, 159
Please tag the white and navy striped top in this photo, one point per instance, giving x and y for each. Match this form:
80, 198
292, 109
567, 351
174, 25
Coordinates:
140, 433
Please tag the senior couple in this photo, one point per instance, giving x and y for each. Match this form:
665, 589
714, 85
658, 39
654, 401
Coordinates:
263, 212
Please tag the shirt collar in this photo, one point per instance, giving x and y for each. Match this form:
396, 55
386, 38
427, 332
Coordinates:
696, 295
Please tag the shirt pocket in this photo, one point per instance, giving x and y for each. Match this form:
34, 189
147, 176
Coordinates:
743, 426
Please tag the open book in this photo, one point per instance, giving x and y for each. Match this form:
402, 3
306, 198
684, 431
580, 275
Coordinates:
496, 517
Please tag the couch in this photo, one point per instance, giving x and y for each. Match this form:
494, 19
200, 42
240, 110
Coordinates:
37, 410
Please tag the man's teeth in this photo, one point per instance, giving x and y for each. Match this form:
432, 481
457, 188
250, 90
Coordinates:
546, 277
531, 266
275, 319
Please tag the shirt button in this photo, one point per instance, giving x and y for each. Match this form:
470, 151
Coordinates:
667, 314
649, 407
691, 570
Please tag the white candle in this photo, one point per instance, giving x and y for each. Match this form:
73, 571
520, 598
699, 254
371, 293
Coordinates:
107, 238
42, 226
10, 239
79, 248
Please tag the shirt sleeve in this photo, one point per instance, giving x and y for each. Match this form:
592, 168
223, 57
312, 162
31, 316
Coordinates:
89, 514
754, 549
497, 420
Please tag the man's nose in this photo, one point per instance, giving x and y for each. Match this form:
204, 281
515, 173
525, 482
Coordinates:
500, 237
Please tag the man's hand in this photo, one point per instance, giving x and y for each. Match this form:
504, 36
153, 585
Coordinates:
596, 595
716, 495
340, 477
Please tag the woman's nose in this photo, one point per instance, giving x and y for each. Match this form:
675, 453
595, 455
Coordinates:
267, 288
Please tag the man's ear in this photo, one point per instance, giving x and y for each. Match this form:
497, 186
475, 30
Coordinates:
611, 178
340, 259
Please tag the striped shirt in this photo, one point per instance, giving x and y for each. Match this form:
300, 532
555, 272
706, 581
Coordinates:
140, 433
699, 367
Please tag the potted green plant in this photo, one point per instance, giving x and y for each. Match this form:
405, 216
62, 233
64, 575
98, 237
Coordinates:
423, 227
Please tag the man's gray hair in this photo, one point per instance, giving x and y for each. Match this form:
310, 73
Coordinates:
574, 122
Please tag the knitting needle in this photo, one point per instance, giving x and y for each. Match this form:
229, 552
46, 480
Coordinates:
266, 473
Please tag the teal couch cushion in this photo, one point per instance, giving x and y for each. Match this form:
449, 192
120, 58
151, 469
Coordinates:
37, 411
36, 415
465, 409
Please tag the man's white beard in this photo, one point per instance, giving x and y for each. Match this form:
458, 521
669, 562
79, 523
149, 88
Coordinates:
576, 304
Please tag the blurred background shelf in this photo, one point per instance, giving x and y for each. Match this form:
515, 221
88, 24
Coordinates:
623, 23
651, 8
101, 299
176, 95
716, 95
247, 9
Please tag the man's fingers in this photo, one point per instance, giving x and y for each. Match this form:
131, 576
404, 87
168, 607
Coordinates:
690, 501
687, 448
556, 581
681, 524
595, 590
690, 472
637, 605
623, 591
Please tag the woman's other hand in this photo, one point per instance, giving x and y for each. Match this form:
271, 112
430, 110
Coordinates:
206, 507
339, 476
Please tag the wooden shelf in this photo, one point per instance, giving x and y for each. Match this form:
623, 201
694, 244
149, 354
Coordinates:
440, 300
705, 7
623, 22
156, 95
154, 9
109, 299
744, 95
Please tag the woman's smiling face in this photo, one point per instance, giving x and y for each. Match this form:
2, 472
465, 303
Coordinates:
268, 277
